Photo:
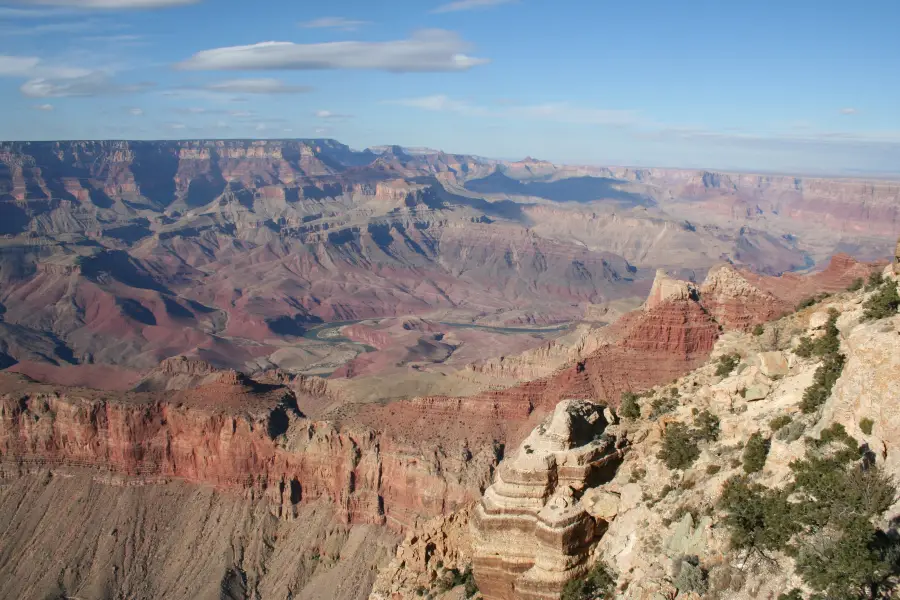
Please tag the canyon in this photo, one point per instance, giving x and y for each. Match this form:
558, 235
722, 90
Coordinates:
304, 353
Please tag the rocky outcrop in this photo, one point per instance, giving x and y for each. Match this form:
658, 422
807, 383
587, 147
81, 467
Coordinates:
736, 303
666, 289
530, 532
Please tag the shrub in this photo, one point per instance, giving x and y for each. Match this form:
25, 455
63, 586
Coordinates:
629, 408
856, 285
755, 453
826, 376
691, 577
713, 469
707, 426
805, 348
759, 330
679, 450
792, 432
796, 594
835, 495
662, 405
811, 301
597, 584
758, 519
780, 422
876, 279
866, 424
727, 364
454, 578
883, 303
637, 474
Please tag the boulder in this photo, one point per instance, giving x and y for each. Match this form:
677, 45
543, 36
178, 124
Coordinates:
773, 364
601, 504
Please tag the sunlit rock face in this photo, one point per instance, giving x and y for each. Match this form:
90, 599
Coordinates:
531, 533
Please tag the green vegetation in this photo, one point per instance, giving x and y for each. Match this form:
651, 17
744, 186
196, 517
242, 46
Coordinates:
866, 424
707, 426
827, 347
679, 450
691, 577
599, 583
755, 453
454, 578
780, 422
713, 469
857, 285
826, 376
883, 303
629, 408
727, 364
663, 405
835, 495
813, 300
876, 280
759, 330
794, 594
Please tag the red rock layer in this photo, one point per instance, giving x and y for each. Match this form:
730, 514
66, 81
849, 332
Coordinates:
651, 347
238, 436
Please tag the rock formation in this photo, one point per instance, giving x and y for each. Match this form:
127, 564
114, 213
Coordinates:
236, 435
736, 303
530, 532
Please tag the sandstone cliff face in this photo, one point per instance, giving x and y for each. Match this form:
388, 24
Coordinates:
235, 437
530, 532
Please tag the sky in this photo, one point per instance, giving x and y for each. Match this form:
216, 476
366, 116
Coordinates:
793, 86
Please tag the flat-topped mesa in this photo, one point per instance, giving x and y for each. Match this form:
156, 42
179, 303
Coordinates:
735, 302
531, 534
666, 288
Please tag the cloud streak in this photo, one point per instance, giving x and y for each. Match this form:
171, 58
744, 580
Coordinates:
849, 111
256, 86
93, 84
461, 5
333, 23
558, 112
431, 50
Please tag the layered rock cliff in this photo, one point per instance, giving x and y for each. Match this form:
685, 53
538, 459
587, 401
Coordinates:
236, 435
530, 532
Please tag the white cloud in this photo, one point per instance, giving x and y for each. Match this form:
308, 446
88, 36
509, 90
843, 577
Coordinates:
109, 4
43, 107
460, 5
94, 83
17, 66
177, 126
261, 127
849, 111
334, 23
425, 51
332, 116
256, 86
137, 112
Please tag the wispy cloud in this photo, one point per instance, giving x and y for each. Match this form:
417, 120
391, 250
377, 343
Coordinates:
460, 5
93, 84
334, 23
432, 50
559, 112
136, 112
332, 116
43, 107
257, 86
849, 111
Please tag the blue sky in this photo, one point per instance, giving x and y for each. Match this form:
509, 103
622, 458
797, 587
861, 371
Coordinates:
789, 86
